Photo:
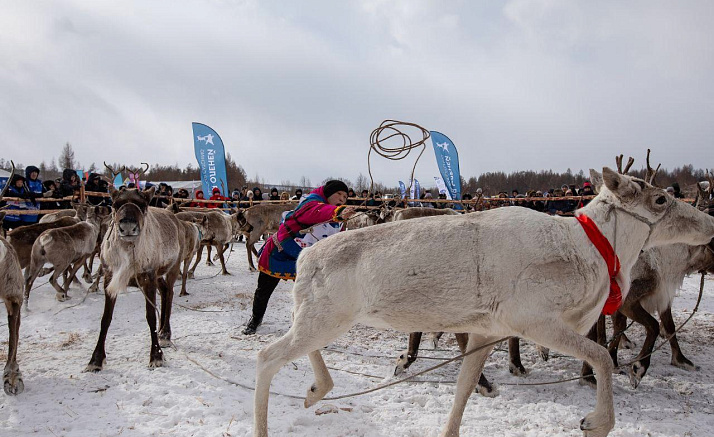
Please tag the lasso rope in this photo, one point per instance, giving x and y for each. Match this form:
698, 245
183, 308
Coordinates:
387, 130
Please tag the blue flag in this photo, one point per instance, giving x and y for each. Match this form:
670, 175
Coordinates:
403, 189
211, 158
417, 189
448, 160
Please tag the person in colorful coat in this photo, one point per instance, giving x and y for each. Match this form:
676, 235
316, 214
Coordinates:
321, 213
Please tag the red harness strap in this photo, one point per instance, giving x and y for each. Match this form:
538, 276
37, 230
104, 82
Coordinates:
614, 299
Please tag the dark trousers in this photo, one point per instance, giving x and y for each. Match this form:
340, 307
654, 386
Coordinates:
266, 286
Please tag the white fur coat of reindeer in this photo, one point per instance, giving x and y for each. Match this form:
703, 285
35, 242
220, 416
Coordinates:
513, 271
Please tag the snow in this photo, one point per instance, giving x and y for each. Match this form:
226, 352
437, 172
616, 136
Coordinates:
182, 399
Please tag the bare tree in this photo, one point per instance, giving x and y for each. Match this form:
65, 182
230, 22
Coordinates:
66, 158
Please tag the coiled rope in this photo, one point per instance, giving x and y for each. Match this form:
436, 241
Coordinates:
382, 135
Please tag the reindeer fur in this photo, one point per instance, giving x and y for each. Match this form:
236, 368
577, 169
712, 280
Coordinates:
512, 272
11, 294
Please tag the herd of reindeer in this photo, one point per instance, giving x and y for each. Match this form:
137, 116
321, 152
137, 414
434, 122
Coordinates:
152, 247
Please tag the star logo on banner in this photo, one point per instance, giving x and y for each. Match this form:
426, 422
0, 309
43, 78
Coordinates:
444, 146
208, 138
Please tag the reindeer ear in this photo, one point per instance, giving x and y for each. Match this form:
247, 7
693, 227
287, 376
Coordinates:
149, 194
622, 186
596, 180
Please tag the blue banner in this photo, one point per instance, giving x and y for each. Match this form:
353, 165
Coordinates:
403, 189
447, 158
211, 158
417, 189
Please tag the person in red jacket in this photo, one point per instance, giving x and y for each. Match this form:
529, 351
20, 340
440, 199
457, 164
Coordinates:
216, 196
198, 196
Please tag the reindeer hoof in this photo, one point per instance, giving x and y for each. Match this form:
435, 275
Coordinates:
518, 370
627, 344
487, 391
543, 353
315, 394
190, 275
14, 389
93, 289
183, 293
226, 273
157, 362
209, 263
62, 297
252, 269
13, 383
594, 426
684, 363
94, 367
636, 372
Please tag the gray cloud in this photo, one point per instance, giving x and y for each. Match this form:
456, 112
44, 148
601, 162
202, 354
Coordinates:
295, 88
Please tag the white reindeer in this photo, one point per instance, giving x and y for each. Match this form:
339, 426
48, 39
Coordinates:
545, 281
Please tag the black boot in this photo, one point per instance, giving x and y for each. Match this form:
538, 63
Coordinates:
253, 324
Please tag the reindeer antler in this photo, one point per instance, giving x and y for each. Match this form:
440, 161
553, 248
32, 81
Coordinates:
113, 172
651, 173
7, 184
618, 161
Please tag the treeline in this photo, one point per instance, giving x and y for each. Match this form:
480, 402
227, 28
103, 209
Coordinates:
493, 183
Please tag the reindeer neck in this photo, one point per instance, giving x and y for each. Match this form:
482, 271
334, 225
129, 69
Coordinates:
626, 233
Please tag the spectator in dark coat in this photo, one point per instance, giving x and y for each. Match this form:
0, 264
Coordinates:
274, 195
34, 186
69, 185
677, 191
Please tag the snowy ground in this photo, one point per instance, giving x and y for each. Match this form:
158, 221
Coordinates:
181, 399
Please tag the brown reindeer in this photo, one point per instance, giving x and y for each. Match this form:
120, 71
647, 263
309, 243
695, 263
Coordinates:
62, 248
217, 230
145, 243
24, 237
11, 294
260, 220
193, 234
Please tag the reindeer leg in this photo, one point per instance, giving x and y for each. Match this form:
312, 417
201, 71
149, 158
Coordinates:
587, 377
678, 358
208, 255
469, 374
435, 337
250, 245
554, 334
87, 275
77, 265
639, 367
31, 273
312, 329
99, 356
61, 293
95, 285
484, 387
12, 377
147, 282
619, 324
198, 259
184, 276
407, 358
220, 249
514, 358
167, 298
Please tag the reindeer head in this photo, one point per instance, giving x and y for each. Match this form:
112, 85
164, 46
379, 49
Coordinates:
130, 207
670, 220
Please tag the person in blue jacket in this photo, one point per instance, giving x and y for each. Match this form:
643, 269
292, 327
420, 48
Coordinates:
34, 186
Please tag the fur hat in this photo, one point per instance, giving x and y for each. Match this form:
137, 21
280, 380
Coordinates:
331, 187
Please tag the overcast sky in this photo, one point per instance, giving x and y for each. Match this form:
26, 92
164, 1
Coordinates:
295, 87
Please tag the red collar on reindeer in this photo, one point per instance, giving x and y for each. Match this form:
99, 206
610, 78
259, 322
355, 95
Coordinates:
614, 299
